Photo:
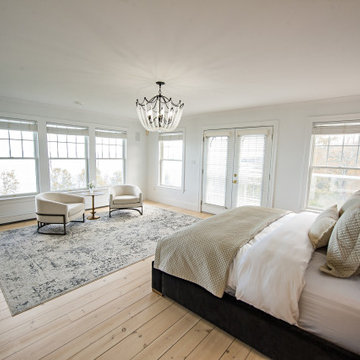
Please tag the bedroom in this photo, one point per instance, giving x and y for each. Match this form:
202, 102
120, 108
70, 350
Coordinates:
239, 64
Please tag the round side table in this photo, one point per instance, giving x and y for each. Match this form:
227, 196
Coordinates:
93, 212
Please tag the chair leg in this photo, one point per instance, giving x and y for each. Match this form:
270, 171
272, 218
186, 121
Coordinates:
42, 224
136, 209
139, 211
80, 221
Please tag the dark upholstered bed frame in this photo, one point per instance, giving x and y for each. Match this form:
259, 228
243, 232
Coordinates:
272, 337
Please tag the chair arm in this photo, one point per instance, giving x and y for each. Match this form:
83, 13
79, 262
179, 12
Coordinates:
71, 198
51, 207
135, 190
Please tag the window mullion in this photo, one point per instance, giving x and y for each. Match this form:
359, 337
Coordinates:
9, 143
22, 144
67, 146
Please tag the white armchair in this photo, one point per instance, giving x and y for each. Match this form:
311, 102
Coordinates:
58, 208
125, 197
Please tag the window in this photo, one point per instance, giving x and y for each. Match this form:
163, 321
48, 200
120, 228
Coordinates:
110, 157
67, 148
171, 159
335, 163
18, 157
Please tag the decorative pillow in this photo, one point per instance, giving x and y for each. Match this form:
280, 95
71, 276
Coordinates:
343, 254
352, 201
323, 226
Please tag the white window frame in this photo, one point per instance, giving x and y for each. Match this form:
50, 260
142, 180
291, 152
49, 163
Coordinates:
65, 129
336, 127
182, 186
267, 128
118, 134
22, 125
242, 124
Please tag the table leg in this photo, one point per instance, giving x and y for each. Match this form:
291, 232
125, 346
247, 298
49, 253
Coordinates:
92, 216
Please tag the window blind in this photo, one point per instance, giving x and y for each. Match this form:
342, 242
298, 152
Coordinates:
66, 129
250, 169
220, 132
331, 128
20, 125
110, 134
170, 136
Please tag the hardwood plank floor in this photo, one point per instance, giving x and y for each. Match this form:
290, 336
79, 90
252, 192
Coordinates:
115, 317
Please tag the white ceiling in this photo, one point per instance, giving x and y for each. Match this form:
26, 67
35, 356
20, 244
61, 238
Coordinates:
213, 55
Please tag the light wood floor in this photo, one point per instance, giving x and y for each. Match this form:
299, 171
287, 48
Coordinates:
116, 317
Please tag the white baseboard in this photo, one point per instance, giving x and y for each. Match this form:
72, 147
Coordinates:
178, 203
16, 218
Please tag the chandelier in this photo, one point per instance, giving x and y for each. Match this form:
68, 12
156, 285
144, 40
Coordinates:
159, 113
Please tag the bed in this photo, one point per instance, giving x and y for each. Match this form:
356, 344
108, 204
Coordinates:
324, 324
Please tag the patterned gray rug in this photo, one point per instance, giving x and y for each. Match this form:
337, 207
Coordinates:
35, 268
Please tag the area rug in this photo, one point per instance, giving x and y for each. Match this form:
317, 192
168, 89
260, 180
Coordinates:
35, 268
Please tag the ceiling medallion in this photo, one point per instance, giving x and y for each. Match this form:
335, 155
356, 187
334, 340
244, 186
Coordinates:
159, 113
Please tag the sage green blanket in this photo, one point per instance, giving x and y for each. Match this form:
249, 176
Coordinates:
202, 252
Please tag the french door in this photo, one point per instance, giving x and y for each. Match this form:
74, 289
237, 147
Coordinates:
236, 168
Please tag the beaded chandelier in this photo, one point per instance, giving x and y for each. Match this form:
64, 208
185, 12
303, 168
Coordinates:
159, 113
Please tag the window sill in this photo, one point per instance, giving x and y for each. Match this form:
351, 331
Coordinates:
170, 188
18, 197
74, 191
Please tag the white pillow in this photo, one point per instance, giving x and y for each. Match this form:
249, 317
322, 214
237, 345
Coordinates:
321, 229
352, 202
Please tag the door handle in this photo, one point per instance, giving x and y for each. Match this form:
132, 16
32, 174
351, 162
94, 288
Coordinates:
234, 181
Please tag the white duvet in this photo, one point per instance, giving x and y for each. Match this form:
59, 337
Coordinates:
268, 273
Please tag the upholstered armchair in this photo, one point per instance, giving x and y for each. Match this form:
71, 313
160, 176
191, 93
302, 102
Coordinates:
125, 197
58, 208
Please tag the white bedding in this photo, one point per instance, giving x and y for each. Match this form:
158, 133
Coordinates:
270, 273
327, 307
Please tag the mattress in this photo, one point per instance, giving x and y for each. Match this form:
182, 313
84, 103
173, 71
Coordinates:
329, 307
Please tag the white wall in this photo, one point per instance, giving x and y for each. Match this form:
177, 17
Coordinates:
23, 208
293, 141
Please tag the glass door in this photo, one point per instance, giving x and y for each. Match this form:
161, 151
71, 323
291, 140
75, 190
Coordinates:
236, 168
251, 167
217, 170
